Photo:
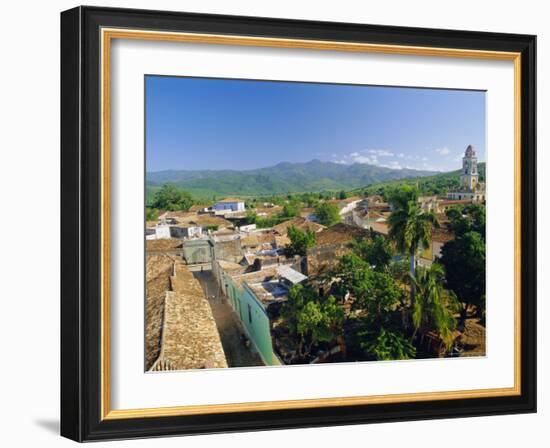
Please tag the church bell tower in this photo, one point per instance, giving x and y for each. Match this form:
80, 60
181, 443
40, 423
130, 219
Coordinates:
469, 177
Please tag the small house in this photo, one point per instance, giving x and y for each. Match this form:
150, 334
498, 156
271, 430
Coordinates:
229, 204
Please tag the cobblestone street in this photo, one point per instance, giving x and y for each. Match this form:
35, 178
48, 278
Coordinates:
229, 327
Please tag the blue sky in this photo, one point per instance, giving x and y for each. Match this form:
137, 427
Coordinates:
198, 123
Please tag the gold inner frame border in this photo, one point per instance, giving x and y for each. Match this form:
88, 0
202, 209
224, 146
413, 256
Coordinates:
107, 35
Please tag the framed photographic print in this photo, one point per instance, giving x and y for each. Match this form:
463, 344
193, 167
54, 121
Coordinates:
275, 224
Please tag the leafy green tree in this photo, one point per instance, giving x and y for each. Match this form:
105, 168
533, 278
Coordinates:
151, 214
386, 345
171, 198
327, 214
377, 298
311, 318
291, 209
320, 320
377, 251
342, 195
467, 219
434, 306
464, 262
298, 296
410, 227
300, 241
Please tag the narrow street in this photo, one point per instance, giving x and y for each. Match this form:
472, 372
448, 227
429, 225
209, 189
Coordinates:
229, 327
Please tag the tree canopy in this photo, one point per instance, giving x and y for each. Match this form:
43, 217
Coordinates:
169, 197
410, 226
300, 241
327, 214
377, 251
464, 261
434, 306
464, 257
310, 317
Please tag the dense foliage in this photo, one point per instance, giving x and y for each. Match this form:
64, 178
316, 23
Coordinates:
311, 318
300, 241
151, 214
377, 251
464, 257
426, 185
169, 197
391, 303
434, 306
327, 214
410, 226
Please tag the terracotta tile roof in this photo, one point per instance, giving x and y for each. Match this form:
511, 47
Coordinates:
258, 239
158, 270
264, 275
180, 329
381, 227
269, 211
442, 235
199, 219
300, 223
339, 233
163, 244
230, 267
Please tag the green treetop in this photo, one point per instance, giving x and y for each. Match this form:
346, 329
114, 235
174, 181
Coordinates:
327, 214
171, 198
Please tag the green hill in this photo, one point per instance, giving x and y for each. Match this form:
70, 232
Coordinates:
434, 184
285, 177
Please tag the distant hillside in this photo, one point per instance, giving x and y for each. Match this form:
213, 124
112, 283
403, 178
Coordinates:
282, 178
435, 184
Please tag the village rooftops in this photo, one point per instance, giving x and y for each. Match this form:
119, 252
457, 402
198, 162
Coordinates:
291, 275
300, 223
264, 275
225, 235
442, 235
339, 234
266, 284
269, 292
231, 268
381, 227
165, 244
179, 321
259, 238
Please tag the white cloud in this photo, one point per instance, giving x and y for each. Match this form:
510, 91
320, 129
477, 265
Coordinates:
380, 152
394, 164
358, 158
388, 159
367, 156
443, 151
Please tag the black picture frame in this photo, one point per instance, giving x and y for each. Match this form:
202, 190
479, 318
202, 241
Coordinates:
81, 224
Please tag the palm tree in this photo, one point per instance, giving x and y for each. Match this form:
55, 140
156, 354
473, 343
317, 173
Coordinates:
434, 306
410, 226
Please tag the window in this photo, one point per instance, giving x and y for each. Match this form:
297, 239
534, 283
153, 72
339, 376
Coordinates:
249, 313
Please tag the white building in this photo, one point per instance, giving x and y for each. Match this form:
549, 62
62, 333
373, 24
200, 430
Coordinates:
247, 228
229, 204
348, 206
163, 231
470, 187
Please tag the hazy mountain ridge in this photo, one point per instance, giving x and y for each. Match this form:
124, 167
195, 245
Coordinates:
284, 177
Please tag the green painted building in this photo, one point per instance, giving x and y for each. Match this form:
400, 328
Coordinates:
250, 296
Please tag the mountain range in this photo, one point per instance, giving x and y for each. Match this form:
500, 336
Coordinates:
284, 177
